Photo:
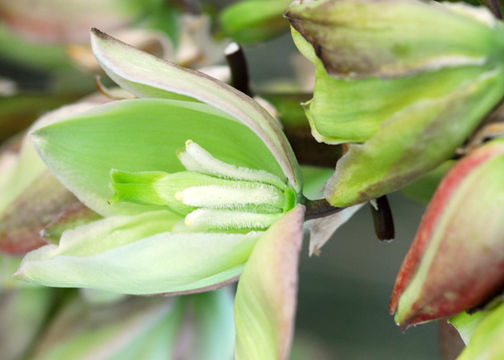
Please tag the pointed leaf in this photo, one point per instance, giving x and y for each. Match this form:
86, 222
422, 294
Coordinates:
141, 135
148, 76
265, 301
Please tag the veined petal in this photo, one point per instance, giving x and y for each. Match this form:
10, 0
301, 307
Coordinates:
265, 301
142, 135
138, 255
148, 76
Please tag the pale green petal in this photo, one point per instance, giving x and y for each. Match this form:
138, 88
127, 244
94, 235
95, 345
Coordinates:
265, 301
141, 135
148, 76
137, 255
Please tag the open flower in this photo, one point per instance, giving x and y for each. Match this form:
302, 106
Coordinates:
192, 180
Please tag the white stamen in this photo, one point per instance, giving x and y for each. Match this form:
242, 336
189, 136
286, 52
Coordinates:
229, 219
217, 196
202, 161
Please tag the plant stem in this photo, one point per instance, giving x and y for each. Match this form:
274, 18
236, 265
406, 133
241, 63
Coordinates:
239, 71
319, 208
383, 219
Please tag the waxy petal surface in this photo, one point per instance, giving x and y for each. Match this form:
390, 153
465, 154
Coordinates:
265, 301
147, 76
457, 258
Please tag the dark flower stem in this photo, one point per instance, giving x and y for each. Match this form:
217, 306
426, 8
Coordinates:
239, 71
382, 219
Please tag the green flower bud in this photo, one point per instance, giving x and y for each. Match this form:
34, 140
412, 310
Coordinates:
404, 81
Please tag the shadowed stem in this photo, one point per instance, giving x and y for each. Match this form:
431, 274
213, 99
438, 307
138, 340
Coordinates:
239, 72
382, 219
319, 208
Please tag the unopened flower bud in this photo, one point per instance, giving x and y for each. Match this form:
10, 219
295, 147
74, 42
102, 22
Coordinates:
456, 261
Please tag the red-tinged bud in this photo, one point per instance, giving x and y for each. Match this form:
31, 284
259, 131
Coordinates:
456, 260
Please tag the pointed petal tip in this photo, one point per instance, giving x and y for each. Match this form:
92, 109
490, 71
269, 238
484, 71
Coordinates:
38, 138
97, 32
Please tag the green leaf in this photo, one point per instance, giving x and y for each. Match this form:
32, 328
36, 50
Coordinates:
141, 135
265, 301
139, 255
147, 76
390, 38
252, 21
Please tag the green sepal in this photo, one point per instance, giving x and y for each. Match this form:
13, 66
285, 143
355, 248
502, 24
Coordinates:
344, 111
433, 128
356, 39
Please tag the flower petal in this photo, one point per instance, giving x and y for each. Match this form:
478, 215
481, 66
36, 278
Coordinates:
148, 76
265, 301
138, 255
141, 135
